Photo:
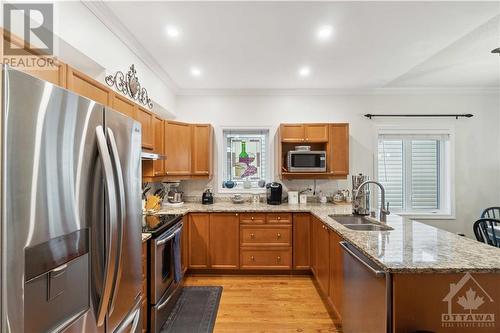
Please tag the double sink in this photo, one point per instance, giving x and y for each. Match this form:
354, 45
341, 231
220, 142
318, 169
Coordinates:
360, 223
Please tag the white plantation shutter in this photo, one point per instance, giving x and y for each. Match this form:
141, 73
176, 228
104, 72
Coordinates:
424, 174
410, 168
390, 171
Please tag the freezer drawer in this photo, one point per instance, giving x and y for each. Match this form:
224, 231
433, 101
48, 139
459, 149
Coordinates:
366, 294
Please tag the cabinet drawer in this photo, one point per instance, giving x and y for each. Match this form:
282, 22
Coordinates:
265, 258
251, 218
279, 235
285, 218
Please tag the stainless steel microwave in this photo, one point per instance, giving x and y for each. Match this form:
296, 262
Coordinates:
306, 161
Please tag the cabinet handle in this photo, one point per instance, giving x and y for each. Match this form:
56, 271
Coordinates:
278, 235
252, 236
278, 258
252, 258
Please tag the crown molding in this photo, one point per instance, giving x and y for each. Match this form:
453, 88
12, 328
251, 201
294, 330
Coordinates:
340, 92
113, 23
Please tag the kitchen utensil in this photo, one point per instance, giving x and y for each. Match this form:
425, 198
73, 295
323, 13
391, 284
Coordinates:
207, 198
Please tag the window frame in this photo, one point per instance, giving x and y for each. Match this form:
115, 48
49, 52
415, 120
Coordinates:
221, 144
447, 170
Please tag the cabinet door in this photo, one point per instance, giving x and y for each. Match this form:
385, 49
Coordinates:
301, 238
202, 149
86, 86
146, 119
338, 162
185, 244
322, 257
224, 241
177, 149
158, 129
336, 273
316, 132
199, 237
292, 133
123, 105
55, 73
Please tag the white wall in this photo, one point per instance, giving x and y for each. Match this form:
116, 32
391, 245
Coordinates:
477, 139
81, 29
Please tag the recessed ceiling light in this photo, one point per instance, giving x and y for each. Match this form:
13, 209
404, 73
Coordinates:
172, 32
324, 32
195, 71
304, 71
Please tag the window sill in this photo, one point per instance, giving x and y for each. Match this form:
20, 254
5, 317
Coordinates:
241, 190
426, 216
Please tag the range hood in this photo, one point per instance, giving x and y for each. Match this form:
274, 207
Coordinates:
147, 155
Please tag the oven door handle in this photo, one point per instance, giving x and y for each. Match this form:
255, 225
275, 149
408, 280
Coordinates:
166, 239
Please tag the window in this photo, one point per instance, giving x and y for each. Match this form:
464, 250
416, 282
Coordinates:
415, 170
245, 159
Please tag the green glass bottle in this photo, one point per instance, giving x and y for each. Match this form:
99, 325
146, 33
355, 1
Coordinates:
243, 155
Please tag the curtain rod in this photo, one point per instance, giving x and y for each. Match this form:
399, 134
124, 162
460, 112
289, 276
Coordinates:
456, 116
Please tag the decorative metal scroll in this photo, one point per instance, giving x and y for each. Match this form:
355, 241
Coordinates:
129, 85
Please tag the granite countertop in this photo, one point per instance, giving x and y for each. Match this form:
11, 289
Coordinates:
412, 247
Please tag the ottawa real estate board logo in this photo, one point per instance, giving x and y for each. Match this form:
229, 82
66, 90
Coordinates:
469, 305
28, 40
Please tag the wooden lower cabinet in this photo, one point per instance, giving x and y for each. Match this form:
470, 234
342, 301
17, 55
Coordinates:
301, 240
321, 256
266, 258
185, 244
224, 241
266, 235
199, 237
336, 274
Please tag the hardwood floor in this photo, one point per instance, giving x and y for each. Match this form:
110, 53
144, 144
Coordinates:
267, 304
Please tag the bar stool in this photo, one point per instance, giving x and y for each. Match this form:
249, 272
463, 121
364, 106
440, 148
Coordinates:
487, 230
491, 212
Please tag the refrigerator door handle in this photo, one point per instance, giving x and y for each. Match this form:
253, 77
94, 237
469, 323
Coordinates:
122, 212
109, 266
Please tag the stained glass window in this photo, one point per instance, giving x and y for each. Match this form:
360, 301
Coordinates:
245, 158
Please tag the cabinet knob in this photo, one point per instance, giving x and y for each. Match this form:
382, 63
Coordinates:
251, 218
236, 214
167, 173
278, 235
278, 258
252, 258
252, 236
279, 217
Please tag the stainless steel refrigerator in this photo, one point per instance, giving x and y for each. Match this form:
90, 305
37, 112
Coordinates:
70, 212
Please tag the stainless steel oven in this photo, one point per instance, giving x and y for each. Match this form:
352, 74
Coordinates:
164, 289
306, 161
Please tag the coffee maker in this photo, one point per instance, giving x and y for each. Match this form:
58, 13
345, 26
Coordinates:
274, 192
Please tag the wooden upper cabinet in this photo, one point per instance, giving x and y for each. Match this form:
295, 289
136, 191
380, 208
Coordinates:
55, 74
88, 87
125, 106
146, 119
159, 142
202, 149
301, 240
304, 133
292, 132
224, 241
199, 237
338, 160
177, 149
316, 132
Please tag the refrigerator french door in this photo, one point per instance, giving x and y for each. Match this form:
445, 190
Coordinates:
70, 212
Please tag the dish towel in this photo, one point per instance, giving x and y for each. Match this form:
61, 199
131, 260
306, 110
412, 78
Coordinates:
177, 257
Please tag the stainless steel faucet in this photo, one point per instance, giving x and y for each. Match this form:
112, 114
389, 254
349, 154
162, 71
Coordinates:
383, 210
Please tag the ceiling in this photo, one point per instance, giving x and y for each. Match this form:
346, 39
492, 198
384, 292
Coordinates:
262, 45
